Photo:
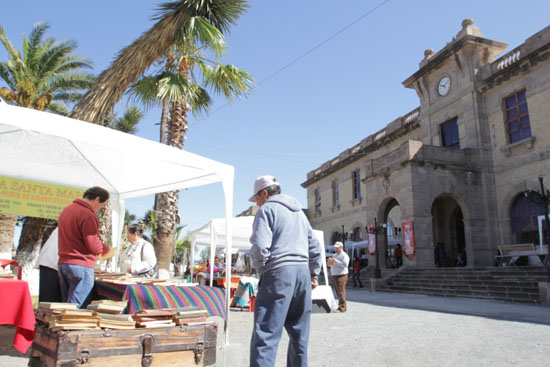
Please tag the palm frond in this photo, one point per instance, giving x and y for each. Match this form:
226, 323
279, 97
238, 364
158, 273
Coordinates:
5, 74
72, 81
175, 87
129, 65
31, 45
221, 13
128, 122
229, 81
59, 108
67, 96
199, 31
13, 53
145, 91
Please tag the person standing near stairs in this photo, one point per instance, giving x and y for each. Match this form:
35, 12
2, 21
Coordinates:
339, 271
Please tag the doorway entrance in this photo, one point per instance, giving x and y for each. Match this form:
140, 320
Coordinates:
448, 233
393, 235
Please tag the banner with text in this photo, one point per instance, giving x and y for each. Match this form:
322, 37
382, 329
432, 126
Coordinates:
371, 239
35, 199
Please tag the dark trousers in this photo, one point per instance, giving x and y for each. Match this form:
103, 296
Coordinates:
356, 279
283, 301
49, 290
340, 282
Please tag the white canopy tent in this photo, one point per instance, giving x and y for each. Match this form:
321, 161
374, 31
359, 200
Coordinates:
53, 149
213, 234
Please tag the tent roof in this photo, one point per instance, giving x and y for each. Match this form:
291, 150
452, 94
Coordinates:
49, 148
242, 230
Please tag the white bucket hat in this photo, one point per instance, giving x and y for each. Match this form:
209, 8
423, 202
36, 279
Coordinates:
261, 183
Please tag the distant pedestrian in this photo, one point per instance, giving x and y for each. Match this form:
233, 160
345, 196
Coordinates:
356, 272
339, 270
398, 255
459, 259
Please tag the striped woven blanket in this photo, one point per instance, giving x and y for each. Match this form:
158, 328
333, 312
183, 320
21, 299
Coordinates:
147, 296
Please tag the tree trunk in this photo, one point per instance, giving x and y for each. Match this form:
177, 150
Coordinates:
167, 218
7, 231
104, 217
32, 237
162, 139
167, 204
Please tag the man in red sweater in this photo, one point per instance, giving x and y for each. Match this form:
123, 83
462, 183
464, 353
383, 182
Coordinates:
79, 245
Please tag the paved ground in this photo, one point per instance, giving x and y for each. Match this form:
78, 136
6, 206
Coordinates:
387, 329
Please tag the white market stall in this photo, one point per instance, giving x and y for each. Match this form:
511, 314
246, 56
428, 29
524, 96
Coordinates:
54, 149
213, 234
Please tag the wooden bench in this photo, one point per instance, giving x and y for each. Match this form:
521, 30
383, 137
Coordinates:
508, 254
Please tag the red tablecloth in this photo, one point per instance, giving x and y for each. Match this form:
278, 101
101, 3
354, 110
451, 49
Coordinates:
16, 309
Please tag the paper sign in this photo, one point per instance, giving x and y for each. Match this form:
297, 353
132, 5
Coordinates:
35, 199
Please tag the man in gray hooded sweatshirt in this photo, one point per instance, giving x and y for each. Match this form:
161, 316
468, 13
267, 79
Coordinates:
287, 257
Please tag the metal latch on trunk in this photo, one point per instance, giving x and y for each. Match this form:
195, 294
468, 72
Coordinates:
147, 357
199, 349
85, 355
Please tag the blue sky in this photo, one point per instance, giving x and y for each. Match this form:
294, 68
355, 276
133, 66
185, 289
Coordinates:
328, 74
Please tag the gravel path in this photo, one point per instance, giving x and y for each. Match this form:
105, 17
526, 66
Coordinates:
382, 329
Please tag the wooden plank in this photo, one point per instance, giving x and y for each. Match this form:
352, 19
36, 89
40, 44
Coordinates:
182, 358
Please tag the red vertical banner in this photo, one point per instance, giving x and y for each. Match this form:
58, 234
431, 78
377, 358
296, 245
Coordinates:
371, 237
408, 239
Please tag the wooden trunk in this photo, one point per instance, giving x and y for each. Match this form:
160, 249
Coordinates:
171, 346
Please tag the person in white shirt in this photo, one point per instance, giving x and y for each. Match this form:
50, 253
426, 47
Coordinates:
339, 270
139, 257
49, 289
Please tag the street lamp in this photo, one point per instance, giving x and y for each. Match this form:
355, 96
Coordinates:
344, 238
377, 228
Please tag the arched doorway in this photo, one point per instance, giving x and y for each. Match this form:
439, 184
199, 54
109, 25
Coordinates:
393, 234
448, 232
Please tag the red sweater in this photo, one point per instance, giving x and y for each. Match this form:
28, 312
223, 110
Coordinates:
79, 242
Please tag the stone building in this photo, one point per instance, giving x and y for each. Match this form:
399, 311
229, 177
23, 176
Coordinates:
463, 167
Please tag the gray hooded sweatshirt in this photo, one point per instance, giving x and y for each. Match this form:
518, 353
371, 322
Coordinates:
282, 236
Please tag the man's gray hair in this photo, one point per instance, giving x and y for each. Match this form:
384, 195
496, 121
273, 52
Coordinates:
273, 190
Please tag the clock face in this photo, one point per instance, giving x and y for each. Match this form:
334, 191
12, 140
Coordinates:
444, 86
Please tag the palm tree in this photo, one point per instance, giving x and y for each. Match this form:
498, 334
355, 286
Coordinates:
127, 123
45, 76
187, 74
134, 59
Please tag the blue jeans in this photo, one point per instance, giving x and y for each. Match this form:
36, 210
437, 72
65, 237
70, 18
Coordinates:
76, 284
283, 300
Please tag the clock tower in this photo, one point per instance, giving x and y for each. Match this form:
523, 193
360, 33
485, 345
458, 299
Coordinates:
450, 108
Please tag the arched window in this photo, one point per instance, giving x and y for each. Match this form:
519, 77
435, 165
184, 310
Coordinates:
523, 217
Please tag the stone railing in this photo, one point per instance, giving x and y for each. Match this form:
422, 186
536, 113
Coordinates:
505, 61
367, 145
534, 49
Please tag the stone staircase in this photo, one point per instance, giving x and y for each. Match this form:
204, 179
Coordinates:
366, 274
516, 284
